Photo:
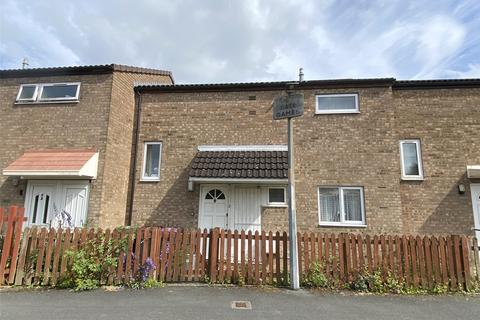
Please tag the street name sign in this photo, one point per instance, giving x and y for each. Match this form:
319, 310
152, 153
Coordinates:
289, 106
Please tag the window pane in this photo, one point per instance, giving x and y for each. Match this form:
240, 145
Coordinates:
27, 92
336, 103
59, 91
152, 163
353, 206
329, 203
410, 159
276, 195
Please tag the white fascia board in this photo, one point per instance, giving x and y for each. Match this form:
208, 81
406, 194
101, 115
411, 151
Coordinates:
239, 180
27, 173
473, 172
268, 147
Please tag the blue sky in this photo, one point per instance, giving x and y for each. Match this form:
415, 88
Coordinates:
249, 40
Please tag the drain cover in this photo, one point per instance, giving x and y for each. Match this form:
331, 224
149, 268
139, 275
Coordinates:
241, 305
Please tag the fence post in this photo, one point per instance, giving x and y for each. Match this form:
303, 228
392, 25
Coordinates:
11, 219
475, 258
212, 259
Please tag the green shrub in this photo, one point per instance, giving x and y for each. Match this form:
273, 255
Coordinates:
91, 265
315, 277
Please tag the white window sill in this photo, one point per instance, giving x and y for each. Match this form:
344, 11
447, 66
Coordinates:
413, 178
46, 102
276, 205
338, 112
347, 225
150, 180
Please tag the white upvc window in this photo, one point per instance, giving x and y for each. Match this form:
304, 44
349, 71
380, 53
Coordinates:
337, 103
48, 92
411, 159
277, 196
341, 206
27, 93
152, 158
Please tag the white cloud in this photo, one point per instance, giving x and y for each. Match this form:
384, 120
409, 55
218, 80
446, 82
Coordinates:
217, 41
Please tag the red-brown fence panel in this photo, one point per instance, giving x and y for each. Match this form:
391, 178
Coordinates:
38, 255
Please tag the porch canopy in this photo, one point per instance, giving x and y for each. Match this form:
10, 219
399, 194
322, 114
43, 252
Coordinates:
259, 164
55, 163
473, 172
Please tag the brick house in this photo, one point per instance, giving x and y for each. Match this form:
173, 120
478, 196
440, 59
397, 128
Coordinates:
372, 155
67, 139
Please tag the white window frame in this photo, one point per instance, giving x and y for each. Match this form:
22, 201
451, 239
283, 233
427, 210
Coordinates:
144, 166
37, 98
419, 160
277, 204
356, 110
35, 93
343, 222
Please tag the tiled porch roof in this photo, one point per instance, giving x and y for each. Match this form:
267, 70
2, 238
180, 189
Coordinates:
55, 162
247, 164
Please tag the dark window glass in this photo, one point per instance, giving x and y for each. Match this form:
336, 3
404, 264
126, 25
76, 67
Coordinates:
27, 92
65, 91
276, 195
410, 159
336, 103
35, 207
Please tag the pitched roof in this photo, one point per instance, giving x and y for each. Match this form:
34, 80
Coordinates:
54, 162
313, 84
75, 70
240, 164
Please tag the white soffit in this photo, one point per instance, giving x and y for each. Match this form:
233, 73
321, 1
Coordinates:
268, 147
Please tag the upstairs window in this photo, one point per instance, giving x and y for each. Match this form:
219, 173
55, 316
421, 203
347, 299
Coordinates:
337, 103
151, 161
48, 92
28, 92
411, 160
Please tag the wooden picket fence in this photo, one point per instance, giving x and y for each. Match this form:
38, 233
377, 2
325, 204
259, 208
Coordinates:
11, 222
38, 256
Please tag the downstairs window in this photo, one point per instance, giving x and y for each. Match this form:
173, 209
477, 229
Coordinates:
341, 206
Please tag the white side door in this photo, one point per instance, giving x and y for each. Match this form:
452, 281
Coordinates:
476, 208
74, 204
247, 202
40, 202
213, 207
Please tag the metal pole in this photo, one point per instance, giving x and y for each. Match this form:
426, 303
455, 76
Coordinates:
292, 214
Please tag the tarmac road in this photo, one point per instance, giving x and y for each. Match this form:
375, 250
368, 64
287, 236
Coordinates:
203, 302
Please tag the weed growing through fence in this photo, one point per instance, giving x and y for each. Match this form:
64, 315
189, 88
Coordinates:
315, 277
142, 279
374, 283
92, 264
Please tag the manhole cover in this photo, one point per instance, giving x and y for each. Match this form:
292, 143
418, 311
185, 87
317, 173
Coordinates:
241, 305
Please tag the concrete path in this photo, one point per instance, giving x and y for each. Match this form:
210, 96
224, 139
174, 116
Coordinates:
180, 302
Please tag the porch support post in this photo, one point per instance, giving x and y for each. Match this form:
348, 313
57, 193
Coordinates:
292, 215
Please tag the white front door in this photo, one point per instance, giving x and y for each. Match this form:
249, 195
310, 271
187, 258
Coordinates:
476, 207
41, 197
57, 202
213, 207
